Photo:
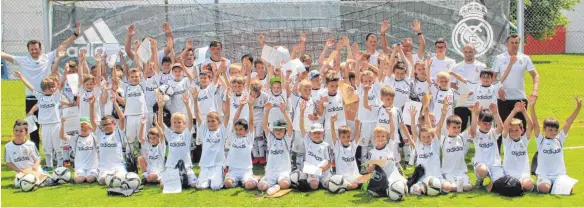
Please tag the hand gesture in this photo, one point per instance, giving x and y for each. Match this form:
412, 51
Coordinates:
97, 57
578, 101
428, 60
268, 106
532, 100
340, 44
389, 112
170, 43
416, 26
17, 74
384, 26
412, 111
114, 96
189, 44
66, 70
166, 28
303, 105
475, 108
78, 29
334, 117
445, 105
136, 45
228, 92
262, 39
251, 100
63, 119
61, 52
91, 99
81, 55
222, 66
243, 101
346, 40
355, 48
323, 99
131, 30
153, 44
330, 42
302, 37
143, 120
493, 107
517, 107
195, 92
185, 98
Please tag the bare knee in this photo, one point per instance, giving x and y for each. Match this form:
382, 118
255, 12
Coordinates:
352, 186
228, 183
152, 178
249, 185
467, 188
314, 184
262, 187
79, 179
284, 184
90, 179
527, 185
543, 188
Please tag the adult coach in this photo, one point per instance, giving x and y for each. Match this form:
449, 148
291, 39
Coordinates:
36, 66
469, 69
512, 65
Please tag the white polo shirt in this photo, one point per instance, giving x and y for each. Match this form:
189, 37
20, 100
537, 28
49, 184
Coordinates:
514, 86
470, 72
35, 70
441, 65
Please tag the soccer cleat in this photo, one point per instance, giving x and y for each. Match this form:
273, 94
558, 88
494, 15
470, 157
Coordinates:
143, 181
255, 160
262, 161
47, 169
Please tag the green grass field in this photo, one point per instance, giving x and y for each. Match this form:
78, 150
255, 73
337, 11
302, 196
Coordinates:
561, 77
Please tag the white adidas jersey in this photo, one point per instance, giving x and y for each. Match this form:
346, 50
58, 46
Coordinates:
234, 104
346, 163
21, 155
180, 87
385, 153
516, 161
179, 147
164, 78
155, 156
48, 107
135, 100
240, 151
213, 153
419, 89
278, 154
150, 84
550, 157
317, 154
276, 113
438, 96
374, 99
335, 105
486, 150
110, 149
429, 157
84, 102
485, 95
295, 102
383, 119
453, 151
441, 65
206, 99
402, 90
86, 151
258, 108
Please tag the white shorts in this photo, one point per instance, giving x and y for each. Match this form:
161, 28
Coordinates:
495, 172
274, 178
258, 129
323, 179
366, 134
298, 142
86, 172
50, 138
240, 176
452, 178
133, 124
211, 177
190, 176
103, 172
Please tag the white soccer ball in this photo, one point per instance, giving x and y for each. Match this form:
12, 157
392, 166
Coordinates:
61, 175
167, 91
28, 182
397, 190
295, 177
17, 178
337, 184
113, 180
433, 186
131, 181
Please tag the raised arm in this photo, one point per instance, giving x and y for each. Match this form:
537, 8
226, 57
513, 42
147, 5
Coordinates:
329, 43
531, 102
62, 134
509, 118
185, 99
122, 118
92, 112
512, 61
475, 109
366, 89
413, 126
242, 103
495, 109
444, 110
391, 124
57, 61
301, 117
188, 46
422, 45
267, 109
170, 36
154, 59
333, 129
528, 121
289, 129
8, 57
68, 41
143, 121
27, 84
320, 105
384, 45
573, 116
128, 43
458, 77
250, 103
299, 48
160, 102
195, 94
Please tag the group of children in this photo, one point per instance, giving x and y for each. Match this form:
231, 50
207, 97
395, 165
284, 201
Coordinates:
286, 120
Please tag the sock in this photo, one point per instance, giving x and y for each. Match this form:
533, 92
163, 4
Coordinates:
255, 151
299, 160
49, 160
60, 159
364, 152
412, 157
66, 152
407, 151
262, 147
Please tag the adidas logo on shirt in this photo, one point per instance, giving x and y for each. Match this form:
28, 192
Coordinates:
348, 159
276, 152
335, 109
177, 144
135, 94
179, 92
51, 105
384, 121
242, 146
401, 91
518, 153
485, 97
486, 145
20, 159
202, 98
108, 145
552, 151
84, 148
214, 141
310, 153
150, 88
153, 157
425, 155
454, 149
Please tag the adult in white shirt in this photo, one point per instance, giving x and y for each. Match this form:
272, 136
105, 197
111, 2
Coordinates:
470, 69
36, 66
440, 62
216, 48
512, 65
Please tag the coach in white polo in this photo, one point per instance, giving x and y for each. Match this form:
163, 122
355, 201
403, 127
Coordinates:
512, 65
470, 69
35, 67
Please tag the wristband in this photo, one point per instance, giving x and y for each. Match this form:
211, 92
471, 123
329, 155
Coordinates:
76, 34
419, 34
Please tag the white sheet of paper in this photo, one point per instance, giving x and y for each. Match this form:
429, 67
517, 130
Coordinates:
293, 65
311, 169
31, 120
284, 54
275, 56
144, 51
73, 80
71, 115
111, 61
406, 113
201, 55
172, 183
563, 185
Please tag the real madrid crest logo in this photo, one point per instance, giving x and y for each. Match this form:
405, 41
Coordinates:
473, 29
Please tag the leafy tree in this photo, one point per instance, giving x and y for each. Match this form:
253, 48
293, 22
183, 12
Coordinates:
541, 16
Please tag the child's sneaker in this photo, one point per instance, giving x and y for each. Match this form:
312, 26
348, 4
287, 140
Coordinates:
47, 169
255, 160
262, 161
363, 170
273, 189
143, 182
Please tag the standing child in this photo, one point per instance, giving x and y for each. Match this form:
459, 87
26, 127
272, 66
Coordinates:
277, 175
48, 102
86, 152
261, 98
304, 96
368, 117
516, 162
151, 161
487, 161
550, 157
330, 103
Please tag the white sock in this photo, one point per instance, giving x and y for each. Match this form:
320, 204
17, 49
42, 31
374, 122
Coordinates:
60, 159
255, 151
49, 160
407, 152
412, 157
262, 147
299, 160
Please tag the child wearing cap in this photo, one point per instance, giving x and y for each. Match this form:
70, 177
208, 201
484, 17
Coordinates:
277, 174
318, 152
85, 145
180, 84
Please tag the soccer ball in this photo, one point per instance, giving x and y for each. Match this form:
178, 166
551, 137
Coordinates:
295, 177
337, 184
397, 190
17, 178
61, 175
167, 91
131, 181
113, 180
28, 182
433, 187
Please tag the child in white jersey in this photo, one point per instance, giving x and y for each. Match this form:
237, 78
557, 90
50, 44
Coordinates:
260, 99
398, 80
89, 86
178, 137
331, 102
439, 91
486, 161
428, 153
385, 146
278, 167
48, 103
135, 101
317, 152
309, 117
212, 135
454, 147
239, 160
344, 150
550, 157
368, 118
20, 153
151, 162
86, 152
515, 143
486, 92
